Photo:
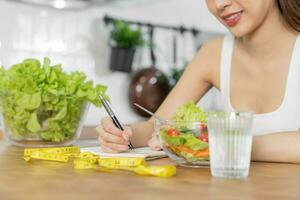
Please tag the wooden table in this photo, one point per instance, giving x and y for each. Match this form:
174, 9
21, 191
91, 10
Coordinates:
43, 180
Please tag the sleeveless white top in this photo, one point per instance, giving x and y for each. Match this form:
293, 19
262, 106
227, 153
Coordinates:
287, 116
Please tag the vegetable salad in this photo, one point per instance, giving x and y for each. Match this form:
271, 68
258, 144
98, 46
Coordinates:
187, 135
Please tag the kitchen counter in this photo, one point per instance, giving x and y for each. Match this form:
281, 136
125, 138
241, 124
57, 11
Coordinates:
39, 180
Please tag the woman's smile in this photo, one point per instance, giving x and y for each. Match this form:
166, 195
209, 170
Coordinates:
232, 19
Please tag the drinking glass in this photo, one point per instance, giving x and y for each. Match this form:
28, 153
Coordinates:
230, 142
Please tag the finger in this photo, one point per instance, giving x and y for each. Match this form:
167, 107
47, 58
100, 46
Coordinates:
127, 134
113, 146
108, 150
110, 127
110, 137
105, 148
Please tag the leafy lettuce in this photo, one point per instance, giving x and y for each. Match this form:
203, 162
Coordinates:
190, 112
42, 101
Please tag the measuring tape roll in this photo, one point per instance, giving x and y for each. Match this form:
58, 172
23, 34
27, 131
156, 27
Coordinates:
60, 154
87, 160
161, 171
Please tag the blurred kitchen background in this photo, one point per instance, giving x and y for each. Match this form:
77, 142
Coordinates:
75, 34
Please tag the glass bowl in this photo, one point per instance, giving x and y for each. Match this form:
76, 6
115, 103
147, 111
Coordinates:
186, 143
42, 123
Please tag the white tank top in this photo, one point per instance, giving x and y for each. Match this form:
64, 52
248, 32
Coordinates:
287, 116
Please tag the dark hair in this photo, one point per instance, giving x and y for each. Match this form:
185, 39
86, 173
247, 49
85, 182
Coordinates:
290, 10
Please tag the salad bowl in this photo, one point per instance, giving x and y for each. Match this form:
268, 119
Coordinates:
184, 137
41, 105
186, 143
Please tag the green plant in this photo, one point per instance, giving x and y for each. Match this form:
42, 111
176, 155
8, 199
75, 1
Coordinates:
124, 36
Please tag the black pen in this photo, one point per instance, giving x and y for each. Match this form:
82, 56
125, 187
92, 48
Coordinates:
113, 117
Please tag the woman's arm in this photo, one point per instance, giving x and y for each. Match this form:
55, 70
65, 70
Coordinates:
277, 147
1, 135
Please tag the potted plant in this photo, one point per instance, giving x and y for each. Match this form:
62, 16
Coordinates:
124, 40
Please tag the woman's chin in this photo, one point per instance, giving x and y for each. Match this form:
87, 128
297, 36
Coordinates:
239, 32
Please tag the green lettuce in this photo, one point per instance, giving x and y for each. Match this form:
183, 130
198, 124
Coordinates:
42, 101
190, 112
173, 140
194, 143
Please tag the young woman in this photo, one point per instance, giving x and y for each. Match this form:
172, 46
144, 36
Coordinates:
255, 68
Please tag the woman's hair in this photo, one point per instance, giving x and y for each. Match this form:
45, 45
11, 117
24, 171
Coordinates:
290, 10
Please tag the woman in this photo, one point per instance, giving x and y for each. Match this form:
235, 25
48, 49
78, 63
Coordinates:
258, 69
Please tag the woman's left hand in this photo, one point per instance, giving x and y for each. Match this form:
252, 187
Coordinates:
154, 143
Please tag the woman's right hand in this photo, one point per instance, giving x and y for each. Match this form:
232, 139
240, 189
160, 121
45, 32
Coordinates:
112, 139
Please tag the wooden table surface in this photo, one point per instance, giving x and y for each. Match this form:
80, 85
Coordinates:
41, 180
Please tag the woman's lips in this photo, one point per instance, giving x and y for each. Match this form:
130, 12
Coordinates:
232, 19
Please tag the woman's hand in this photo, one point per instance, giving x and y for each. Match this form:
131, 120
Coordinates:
112, 139
154, 143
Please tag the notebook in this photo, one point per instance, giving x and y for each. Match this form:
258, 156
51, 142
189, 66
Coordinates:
142, 152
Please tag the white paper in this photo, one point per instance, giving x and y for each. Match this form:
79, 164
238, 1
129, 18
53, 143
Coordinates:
143, 152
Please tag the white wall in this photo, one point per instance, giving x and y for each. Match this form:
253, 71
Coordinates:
79, 40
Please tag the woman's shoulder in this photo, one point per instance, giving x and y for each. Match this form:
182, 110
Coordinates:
207, 60
209, 54
214, 42
210, 51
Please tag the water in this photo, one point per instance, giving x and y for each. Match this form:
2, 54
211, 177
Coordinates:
230, 151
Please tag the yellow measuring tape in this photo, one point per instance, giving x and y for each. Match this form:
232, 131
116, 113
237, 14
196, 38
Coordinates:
87, 160
61, 154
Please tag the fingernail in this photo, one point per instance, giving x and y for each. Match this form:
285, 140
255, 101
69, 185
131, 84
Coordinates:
126, 142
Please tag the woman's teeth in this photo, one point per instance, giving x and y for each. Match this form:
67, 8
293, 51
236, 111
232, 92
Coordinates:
232, 16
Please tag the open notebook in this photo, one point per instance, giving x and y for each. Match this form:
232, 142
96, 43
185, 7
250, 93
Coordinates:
144, 152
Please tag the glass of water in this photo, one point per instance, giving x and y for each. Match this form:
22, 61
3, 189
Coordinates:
230, 142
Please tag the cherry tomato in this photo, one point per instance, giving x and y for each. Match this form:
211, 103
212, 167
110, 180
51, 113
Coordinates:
172, 132
202, 127
203, 137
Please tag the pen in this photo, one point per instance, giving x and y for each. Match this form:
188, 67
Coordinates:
113, 117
